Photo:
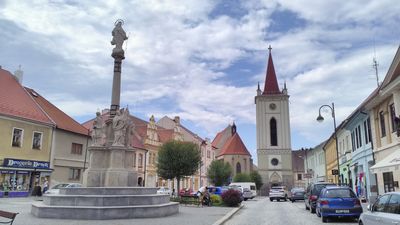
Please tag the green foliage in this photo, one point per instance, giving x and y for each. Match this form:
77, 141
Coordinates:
219, 172
256, 178
231, 197
216, 199
242, 177
177, 159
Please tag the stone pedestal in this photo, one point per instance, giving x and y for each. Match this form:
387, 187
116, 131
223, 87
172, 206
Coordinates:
110, 167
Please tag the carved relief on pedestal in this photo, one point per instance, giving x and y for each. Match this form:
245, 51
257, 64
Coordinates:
123, 128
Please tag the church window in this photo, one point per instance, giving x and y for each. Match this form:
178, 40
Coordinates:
273, 131
382, 123
274, 161
238, 168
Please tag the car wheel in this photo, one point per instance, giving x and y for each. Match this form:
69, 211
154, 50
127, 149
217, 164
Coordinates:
278, 199
271, 199
324, 219
293, 201
285, 199
245, 199
312, 210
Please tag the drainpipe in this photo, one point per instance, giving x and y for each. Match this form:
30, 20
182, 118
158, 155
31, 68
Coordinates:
87, 143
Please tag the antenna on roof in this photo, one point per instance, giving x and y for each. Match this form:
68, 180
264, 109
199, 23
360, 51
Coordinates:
375, 66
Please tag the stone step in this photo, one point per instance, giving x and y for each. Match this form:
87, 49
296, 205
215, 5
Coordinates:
105, 212
108, 191
104, 200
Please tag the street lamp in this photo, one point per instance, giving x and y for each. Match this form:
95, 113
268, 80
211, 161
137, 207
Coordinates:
321, 119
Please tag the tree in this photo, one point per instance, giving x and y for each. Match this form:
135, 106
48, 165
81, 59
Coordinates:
256, 178
219, 172
242, 177
177, 159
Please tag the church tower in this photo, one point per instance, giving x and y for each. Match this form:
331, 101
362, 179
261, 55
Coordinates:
273, 132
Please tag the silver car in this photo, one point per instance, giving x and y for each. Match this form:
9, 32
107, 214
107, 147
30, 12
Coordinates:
385, 211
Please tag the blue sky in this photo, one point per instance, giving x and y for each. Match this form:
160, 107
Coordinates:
202, 60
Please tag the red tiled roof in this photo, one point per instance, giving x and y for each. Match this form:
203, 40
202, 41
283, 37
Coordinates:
15, 101
165, 135
271, 83
216, 140
62, 120
234, 146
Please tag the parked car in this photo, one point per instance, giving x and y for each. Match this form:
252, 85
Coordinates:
296, 194
187, 191
56, 188
312, 194
386, 210
247, 194
164, 191
278, 193
250, 185
338, 201
215, 190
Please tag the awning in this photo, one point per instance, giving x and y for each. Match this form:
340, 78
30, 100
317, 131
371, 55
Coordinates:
390, 163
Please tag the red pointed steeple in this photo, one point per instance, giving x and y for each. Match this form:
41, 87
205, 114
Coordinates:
271, 83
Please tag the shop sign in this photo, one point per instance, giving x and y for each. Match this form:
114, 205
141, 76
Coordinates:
18, 163
7, 171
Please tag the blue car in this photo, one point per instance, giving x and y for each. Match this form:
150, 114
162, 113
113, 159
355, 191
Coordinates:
338, 201
215, 190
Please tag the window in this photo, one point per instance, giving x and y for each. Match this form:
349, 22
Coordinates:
359, 135
388, 183
353, 146
238, 168
74, 174
208, 154
367, 131
382, 122
37, 140
393, 205
392, 117
76, 148
380, 204
299, 176
140, 162
273, 131
17, 137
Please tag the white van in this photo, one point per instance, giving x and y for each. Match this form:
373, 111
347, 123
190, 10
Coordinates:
249, 185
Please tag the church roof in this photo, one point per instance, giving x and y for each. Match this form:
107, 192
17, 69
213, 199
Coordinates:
234, 146
271, 83
15, 101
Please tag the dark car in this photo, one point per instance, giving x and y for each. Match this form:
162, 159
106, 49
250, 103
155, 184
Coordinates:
338, 201
312, 194
297, 194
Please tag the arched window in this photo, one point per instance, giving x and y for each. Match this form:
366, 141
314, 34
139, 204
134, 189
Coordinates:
140, 162
273, 131
238, 168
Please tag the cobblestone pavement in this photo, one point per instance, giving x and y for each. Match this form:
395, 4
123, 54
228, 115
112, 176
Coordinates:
263, 212
188, 215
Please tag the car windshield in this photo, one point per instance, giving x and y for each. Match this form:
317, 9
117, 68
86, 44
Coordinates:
317, 188
58, 186
339, 193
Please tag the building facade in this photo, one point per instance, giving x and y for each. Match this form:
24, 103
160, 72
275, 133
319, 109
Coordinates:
298, 165
384, 109
344, 149
331, 160
315, 164
274, 149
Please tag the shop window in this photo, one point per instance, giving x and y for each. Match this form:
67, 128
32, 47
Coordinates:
76, 148
17, 137
37, 140
74, 174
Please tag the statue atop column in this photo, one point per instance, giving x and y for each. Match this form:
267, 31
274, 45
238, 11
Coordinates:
119, 36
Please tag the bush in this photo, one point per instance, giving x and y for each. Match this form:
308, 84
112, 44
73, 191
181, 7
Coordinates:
216, 199
231, 197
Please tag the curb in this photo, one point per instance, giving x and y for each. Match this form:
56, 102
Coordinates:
228, 215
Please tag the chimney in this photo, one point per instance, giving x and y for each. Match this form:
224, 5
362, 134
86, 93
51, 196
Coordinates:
19, 74
177, 120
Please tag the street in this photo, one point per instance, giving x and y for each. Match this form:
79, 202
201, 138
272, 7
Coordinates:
261, 211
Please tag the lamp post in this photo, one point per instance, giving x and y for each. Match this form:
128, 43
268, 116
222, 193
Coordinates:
320, 119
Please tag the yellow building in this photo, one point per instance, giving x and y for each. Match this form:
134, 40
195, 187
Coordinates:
25, 138
331, 159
